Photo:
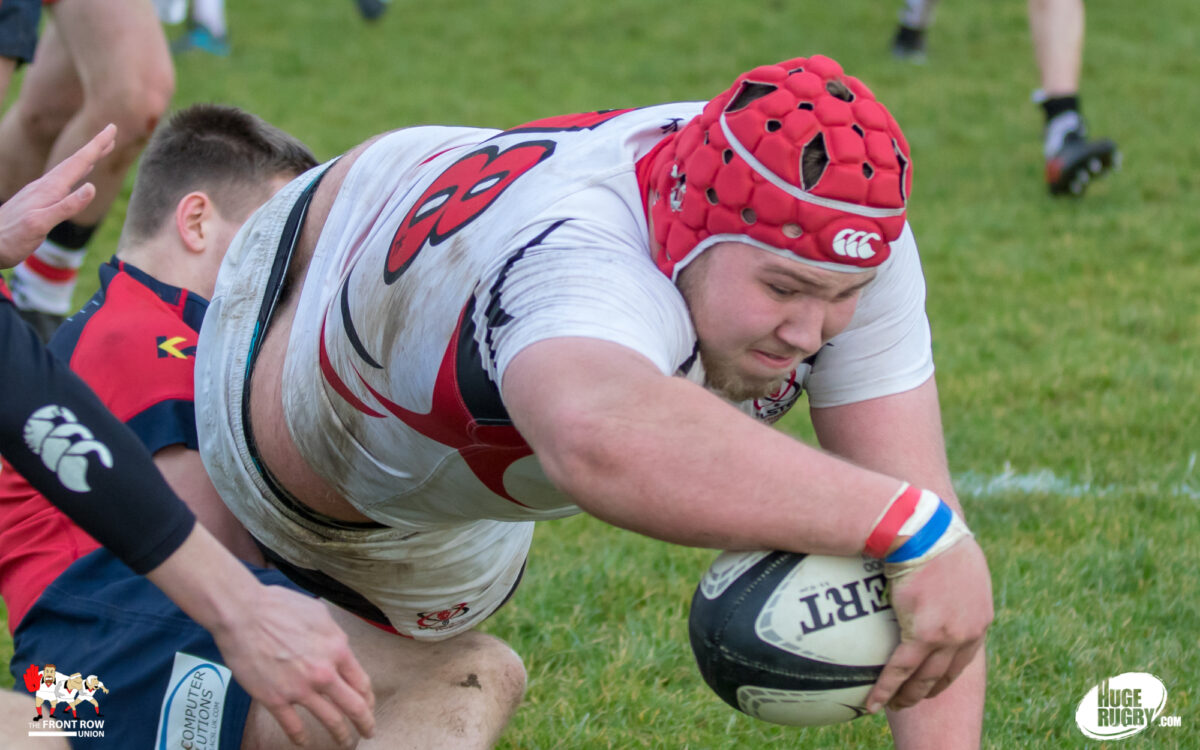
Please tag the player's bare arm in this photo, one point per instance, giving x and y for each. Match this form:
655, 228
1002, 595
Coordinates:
663, 457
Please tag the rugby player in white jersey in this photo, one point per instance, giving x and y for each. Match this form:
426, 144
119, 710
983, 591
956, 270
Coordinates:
418, 350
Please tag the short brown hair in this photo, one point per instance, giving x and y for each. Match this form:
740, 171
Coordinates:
223, 151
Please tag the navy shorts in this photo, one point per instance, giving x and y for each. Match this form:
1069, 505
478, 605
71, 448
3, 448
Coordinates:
167, 683
19, 28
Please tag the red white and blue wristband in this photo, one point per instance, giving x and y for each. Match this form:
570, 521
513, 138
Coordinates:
932, 527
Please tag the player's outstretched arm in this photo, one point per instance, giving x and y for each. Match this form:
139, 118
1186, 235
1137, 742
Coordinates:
661, 456
282, 646
52, 198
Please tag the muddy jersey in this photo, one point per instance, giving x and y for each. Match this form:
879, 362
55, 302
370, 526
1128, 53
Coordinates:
449, 250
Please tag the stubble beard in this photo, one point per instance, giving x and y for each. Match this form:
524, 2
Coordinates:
721, 372
722, 377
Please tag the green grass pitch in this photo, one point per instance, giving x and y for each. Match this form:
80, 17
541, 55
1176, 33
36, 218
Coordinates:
1067, 332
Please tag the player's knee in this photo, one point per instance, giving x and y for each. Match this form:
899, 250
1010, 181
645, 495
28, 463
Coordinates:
479, 662
42, 122
135, 106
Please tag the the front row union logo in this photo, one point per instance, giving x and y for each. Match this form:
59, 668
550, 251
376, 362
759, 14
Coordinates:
1123, 706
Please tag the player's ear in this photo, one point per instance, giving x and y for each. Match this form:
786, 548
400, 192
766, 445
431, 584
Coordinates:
192, 213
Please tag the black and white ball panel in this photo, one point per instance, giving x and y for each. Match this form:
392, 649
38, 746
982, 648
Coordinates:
793, 639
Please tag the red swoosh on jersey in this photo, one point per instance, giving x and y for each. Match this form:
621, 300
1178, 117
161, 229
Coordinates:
487, 449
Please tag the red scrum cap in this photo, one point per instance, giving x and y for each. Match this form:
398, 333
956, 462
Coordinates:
735, 171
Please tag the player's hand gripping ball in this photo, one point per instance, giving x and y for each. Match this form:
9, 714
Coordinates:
793, 639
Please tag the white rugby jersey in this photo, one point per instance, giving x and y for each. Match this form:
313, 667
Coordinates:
449, 250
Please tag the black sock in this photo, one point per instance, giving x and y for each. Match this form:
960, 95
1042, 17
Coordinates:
1055, 106
71, 236
908, 35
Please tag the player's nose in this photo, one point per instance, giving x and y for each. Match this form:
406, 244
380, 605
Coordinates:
801, 327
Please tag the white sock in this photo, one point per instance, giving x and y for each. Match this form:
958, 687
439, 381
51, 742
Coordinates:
918, 14
46, 280
211, 15
1057, 130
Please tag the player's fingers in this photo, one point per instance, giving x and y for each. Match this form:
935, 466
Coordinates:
289, 721
961, 661
923, 680
329, 715
358, 679
354, 705
905, 660
74, 167
69, 206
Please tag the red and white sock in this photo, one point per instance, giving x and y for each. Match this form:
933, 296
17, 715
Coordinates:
46, 280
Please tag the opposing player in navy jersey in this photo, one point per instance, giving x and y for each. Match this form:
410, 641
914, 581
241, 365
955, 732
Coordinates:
451, 333
135, 344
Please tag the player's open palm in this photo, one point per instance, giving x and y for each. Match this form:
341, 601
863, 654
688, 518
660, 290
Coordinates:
289, 652
52, 198
944, 609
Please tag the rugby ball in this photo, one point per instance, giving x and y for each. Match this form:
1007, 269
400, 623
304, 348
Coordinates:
793, 639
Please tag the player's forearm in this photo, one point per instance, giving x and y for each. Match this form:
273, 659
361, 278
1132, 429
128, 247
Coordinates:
59, 436
676, 463
207, 582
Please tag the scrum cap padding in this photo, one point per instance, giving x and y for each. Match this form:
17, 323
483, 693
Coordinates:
796, 158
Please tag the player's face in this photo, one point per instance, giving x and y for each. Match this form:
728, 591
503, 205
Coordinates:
758, 315
48, 673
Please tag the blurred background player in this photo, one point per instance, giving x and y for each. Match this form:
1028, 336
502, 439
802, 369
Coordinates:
204, 172
206, 28
18, 37
98, 62
1057, 28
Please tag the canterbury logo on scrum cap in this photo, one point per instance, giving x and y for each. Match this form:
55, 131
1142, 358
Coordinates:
56, 436
853, 243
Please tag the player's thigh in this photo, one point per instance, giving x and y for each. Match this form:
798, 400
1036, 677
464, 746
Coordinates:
115, 44
51, 92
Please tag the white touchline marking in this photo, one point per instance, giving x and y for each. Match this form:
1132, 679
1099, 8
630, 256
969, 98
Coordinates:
1046, 482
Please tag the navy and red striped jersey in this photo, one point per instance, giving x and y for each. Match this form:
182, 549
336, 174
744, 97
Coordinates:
134, 344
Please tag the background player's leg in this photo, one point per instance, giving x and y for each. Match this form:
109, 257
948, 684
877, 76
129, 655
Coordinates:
458, 693
915, 18
100, 61
49, 97
1072, 159
16, 710
124, 67
1057, 29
